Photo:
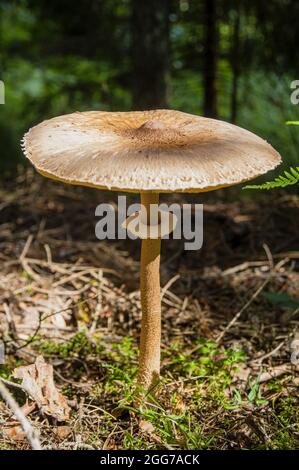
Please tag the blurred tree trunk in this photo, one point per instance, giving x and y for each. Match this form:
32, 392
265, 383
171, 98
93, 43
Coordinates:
150, 53
235, 64
210, 58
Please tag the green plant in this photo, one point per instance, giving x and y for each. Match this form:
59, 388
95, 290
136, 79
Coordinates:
289, 177
281, 299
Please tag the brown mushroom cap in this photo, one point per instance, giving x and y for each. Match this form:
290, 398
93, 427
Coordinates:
159, 150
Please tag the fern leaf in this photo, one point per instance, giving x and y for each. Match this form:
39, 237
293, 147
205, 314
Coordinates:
289, 178
294, 172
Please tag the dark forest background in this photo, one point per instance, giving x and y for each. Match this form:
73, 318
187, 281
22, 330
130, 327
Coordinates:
230, 59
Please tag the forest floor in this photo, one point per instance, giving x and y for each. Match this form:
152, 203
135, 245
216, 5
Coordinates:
230, 321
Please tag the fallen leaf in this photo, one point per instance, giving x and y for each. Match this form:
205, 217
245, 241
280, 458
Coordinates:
242, 373
296, 381
146, 426
14, 433
38, 382
62, 432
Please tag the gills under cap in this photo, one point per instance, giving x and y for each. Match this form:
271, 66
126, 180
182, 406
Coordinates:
159, 150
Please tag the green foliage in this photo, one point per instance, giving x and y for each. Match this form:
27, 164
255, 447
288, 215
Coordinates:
287, 419
208, 360
290, 178
281, 299
255, 395
77, 346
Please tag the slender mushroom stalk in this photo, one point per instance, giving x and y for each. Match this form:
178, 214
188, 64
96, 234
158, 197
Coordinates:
149, 360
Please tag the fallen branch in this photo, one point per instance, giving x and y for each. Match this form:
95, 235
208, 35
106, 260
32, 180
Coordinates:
276, 372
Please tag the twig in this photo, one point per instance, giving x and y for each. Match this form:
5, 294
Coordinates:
10, 321
240, 267
72, 276
63, 293
255, 295
10, 384
237, 316
43, 318
48, 253
169, 284
269, 256
26, 247
269, 354
30, 432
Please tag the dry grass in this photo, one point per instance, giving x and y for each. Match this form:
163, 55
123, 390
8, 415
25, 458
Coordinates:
227, 377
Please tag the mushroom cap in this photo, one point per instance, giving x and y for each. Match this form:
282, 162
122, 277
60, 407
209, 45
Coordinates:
139, 151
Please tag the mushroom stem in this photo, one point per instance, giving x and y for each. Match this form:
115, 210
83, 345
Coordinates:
149, 361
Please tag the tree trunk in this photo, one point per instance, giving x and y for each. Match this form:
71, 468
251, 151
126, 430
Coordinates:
210, 59
150, 53
235, 64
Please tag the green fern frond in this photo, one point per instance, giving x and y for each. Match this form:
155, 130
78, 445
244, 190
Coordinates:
289, 178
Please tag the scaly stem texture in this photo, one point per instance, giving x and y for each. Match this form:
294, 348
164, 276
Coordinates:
149, 362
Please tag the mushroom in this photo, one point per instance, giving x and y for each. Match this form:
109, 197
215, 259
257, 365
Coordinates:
147, 152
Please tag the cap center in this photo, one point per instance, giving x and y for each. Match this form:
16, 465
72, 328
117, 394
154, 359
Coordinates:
153, 133
153, 124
